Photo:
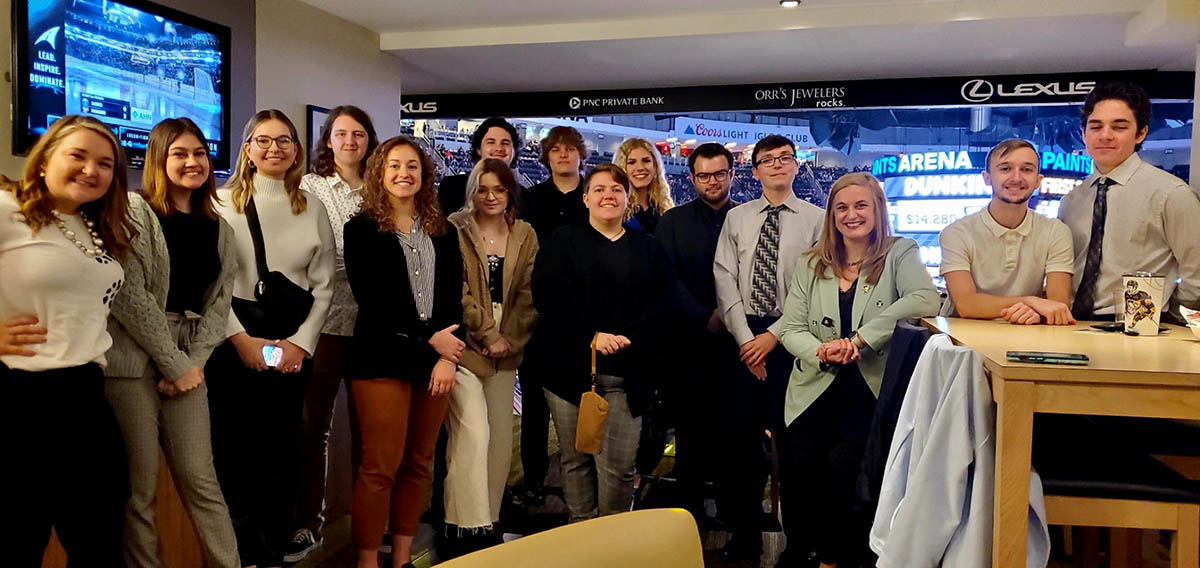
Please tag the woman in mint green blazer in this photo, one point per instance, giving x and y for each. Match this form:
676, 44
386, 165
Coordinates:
838, 318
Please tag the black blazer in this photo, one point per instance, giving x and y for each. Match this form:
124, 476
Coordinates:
452, 193
389, 339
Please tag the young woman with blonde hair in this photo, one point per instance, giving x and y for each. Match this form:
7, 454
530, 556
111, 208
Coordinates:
64, 230
858, 280
498, 252
258, 377
166, 321
649, 193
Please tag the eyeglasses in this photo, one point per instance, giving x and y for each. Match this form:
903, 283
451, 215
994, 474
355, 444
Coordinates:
783, 161
284, 142
703, 177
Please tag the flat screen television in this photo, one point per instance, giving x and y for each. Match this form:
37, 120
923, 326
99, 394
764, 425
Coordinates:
129, 64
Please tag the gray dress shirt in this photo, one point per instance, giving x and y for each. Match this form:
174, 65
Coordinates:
800, 224
1152, 225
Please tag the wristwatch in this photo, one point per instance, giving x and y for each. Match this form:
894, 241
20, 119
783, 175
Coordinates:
857, 340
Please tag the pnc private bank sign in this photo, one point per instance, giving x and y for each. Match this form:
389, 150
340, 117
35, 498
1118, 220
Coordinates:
926, 163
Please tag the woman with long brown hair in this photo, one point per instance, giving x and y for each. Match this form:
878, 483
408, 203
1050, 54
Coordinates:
406, 273
339, 162
649, 193
281, 292
166, 321
64, 229
840, 312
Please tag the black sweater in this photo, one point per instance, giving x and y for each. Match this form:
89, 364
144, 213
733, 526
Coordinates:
584, 283
390, 340
546, 208
452, 193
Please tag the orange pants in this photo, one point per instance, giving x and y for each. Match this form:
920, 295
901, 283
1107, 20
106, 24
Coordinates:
398, 422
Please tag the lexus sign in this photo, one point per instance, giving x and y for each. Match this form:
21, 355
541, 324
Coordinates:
982, 90
977, 90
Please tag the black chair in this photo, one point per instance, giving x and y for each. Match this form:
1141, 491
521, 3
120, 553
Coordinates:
908, 340
1088, 480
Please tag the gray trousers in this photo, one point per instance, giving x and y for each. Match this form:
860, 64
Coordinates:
601, 484
179, 424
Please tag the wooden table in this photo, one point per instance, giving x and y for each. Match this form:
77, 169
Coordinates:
1128, 376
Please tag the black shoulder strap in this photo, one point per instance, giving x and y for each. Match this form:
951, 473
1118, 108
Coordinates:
256, 235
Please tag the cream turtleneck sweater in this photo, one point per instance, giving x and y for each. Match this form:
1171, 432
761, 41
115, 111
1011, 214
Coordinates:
300, 246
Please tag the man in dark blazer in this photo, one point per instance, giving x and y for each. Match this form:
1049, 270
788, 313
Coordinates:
495, 138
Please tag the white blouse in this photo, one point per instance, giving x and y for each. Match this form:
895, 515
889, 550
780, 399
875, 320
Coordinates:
47, 276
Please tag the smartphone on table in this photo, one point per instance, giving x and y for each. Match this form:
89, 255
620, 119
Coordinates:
1048, 357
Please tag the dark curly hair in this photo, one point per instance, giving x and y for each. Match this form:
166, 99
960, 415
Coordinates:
484, 127
375, 196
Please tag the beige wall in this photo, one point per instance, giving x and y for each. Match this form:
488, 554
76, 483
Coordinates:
305, 56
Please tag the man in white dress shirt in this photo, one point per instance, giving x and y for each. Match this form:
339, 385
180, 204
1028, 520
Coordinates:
760, 244
1129, 216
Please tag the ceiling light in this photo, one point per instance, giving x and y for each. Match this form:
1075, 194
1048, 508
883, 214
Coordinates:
789, 3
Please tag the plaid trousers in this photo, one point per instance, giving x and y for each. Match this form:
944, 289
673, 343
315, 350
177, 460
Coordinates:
601, 484
181, 424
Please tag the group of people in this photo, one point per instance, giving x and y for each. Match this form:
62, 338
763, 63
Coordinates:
218, 324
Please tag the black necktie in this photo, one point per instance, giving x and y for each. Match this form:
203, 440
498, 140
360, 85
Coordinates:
1085, 297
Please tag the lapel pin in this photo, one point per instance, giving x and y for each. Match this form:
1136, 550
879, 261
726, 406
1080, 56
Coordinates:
827, 322
879, 303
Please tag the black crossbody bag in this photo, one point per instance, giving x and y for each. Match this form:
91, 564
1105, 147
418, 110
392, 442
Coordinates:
280, 306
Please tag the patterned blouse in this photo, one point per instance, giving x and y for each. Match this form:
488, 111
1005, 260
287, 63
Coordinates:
341, 202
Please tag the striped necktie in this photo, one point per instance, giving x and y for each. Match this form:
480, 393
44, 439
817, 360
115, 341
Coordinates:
1085, 296
763, 282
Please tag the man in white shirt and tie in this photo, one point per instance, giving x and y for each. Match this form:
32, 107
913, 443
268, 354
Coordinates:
1129, 216
757, 252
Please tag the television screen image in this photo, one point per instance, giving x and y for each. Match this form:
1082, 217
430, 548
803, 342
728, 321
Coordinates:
128, 64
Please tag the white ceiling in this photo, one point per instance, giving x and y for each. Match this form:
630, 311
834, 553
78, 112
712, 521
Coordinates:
464, 46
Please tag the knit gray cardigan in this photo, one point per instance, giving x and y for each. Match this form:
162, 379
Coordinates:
138, 322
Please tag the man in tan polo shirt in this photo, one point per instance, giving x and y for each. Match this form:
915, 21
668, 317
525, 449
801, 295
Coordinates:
1006, 260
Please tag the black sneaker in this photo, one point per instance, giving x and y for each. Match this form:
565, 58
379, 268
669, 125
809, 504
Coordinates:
735, 553
534, 496
303, 543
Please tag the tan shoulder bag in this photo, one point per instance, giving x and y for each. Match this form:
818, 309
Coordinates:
593, 412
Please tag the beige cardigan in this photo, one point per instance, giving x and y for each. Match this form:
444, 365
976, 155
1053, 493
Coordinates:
519, 316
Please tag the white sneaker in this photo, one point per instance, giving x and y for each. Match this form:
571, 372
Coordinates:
303, 543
